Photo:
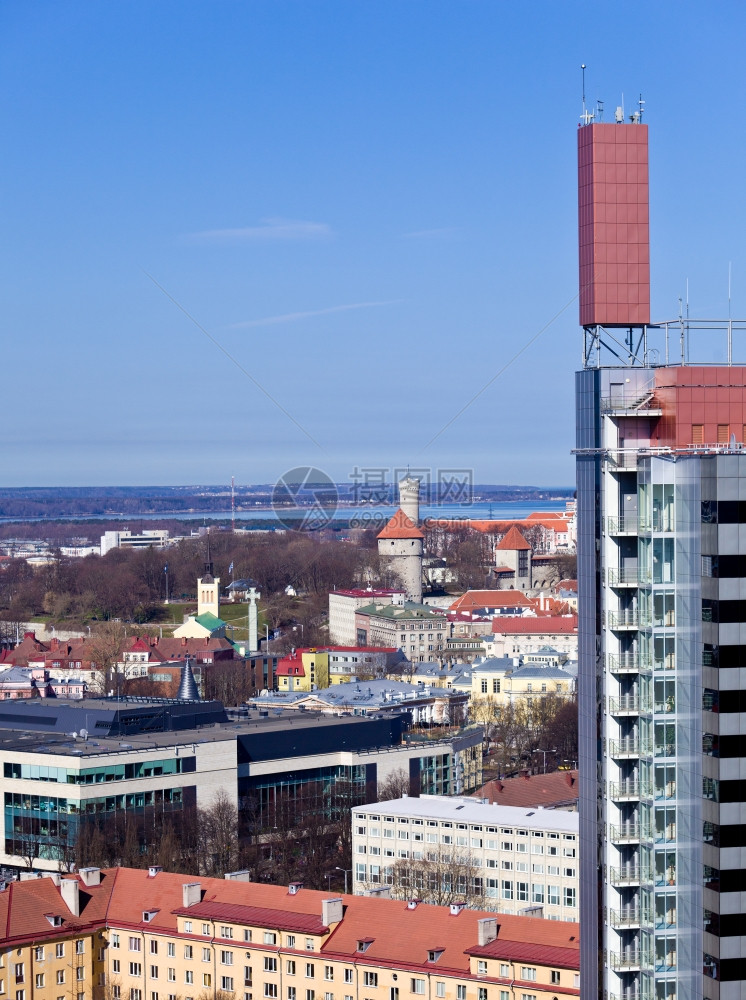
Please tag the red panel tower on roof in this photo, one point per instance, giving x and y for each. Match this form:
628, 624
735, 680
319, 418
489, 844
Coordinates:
613, 224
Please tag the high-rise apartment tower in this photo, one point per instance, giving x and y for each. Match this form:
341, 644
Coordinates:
661, 476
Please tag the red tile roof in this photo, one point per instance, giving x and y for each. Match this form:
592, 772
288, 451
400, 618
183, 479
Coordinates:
491, 599
400, 526
530, 624
512, 541
557, 788
399, 936
259, 916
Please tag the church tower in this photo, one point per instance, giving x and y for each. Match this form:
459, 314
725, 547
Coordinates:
208, 590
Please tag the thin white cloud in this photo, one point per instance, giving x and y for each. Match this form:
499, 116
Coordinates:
269, 230
294, 317
432, 234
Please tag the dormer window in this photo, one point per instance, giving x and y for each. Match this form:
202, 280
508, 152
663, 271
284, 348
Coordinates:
364, 944
54, 919
434, 954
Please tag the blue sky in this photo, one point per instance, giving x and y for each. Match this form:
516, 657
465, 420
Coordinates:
368, 207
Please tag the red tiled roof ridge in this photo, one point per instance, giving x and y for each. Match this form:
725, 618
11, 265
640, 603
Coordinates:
512, 541
400, 526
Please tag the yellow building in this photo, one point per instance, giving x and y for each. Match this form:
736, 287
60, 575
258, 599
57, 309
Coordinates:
125, 934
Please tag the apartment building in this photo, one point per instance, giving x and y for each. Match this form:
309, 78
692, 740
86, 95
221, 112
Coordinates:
151, 935
519, 860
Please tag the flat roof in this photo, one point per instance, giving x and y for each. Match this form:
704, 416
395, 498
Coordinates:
13, 740
469, 810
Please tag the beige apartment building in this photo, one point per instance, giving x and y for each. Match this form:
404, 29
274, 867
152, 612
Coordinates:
125, 934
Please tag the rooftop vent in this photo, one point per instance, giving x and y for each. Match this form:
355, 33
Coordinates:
90, 876
153, 870
457, 907
413, 904
294, 888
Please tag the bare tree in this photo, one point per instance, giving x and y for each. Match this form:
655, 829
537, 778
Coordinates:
219, 827
106, 650
394, 786
442, 876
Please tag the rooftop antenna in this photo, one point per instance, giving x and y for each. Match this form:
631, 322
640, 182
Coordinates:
233, 504
587, 116
641, 105
730, 264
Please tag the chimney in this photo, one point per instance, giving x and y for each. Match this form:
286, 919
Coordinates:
191, 893
487, 931
244, 875
332, 911
55, 643
71, 895
294, 888
90, 876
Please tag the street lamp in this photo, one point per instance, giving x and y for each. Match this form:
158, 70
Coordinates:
345, 870
545, 752
330, 876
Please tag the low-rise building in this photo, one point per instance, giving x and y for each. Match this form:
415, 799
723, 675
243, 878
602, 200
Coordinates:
418, 630
149, 934
427, 705
319, 667
147, 539
514, 635
344, 603
516, 860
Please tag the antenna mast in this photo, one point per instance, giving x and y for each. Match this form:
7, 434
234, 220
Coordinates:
233, 504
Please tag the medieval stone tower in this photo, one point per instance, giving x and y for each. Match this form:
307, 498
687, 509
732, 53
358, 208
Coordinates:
401, 540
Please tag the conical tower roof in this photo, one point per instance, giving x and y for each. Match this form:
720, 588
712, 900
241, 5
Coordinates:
188, 687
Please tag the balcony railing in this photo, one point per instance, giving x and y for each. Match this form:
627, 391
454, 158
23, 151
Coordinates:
634, 995
659, 521
629, 746
629, 833
629, 704
622, 525
665, 750
623, 576
629, 663
630, 917
629, 960
631, 875
629, 620
631, 788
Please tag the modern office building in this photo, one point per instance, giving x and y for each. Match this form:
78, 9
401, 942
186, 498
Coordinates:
68, 764
517, 860
661, 475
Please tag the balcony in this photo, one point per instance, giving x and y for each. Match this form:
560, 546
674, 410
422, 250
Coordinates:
665, 750
630, 790
625, 576
631, 875
640, 404
634, 995
629, 960
629, 747
630, 917
629, 704
629, 833
623, 461
622, 525
629, 663
628, 620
